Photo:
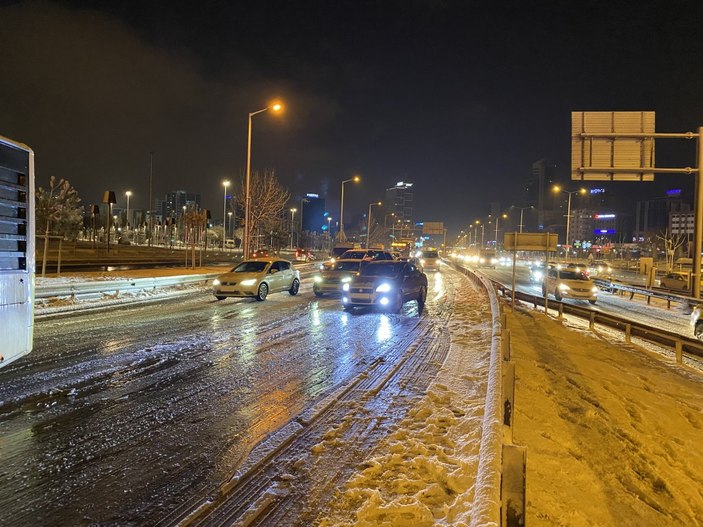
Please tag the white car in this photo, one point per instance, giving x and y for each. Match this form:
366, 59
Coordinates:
569, 282
257, 278
429, 259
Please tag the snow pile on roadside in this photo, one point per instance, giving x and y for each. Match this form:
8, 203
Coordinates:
424, 474
613, 431
57, 305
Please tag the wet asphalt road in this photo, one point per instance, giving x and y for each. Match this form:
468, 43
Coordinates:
118, 416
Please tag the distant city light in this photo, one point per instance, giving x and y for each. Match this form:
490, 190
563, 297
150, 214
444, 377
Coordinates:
597, 191
673, 192
311, 195
604, 216
604, 231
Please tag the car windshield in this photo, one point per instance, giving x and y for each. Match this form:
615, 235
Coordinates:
347, 266
250, 267
390, 269
430, 254
573, 275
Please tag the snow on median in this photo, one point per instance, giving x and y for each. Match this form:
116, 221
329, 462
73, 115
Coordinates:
424, 473
613, 431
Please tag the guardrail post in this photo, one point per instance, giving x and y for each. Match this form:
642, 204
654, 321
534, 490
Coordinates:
628, 333
505, 344
513, 486
591, 320
508, 400
679, 352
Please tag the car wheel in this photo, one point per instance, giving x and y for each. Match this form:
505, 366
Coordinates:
263, 292
219, 297
593, 302
318, 294
698, 330
421, 298
557, 295
295, 286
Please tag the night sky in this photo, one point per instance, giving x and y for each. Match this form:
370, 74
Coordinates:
458, 97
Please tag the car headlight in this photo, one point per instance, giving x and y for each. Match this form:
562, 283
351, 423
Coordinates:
345, 287
317, 278
215, 282
482, 260
422, 262
346, 279
493, 261
383, 288
564, 287
250, 281
594, 289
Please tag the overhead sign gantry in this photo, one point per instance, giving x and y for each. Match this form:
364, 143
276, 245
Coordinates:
619, 146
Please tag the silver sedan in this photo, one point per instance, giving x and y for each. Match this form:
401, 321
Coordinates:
257, 278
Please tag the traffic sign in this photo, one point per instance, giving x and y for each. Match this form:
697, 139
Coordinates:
612, 146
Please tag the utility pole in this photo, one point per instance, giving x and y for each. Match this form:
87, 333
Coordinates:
151, 186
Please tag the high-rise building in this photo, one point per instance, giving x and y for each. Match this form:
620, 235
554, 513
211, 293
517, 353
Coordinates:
313, 214
399, 200
173, 203
538, 187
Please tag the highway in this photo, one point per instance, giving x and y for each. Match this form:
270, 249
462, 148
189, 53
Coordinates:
138, 414
656, 314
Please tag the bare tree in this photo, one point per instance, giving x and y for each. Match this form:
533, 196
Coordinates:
267, 197
58, 207
671, 244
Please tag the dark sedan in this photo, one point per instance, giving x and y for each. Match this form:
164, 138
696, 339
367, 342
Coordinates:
386, 284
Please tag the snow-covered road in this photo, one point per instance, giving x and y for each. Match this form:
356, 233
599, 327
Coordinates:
136, 415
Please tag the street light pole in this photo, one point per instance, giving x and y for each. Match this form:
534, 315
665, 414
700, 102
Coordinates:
329, 232
128, 194
151, 181
229, 229
522, 211
247, 204
225, 184
368, 223
342, 237
568, 210
292, 225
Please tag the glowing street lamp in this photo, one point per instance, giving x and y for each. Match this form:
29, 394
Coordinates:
342, 238
368, 222
225, 184
276, 107
558, 189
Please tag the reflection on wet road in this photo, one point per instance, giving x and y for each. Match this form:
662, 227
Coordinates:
117, 416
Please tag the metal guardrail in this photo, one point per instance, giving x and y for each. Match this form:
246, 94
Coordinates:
679, 343
662, 294
116, 286
106, 287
